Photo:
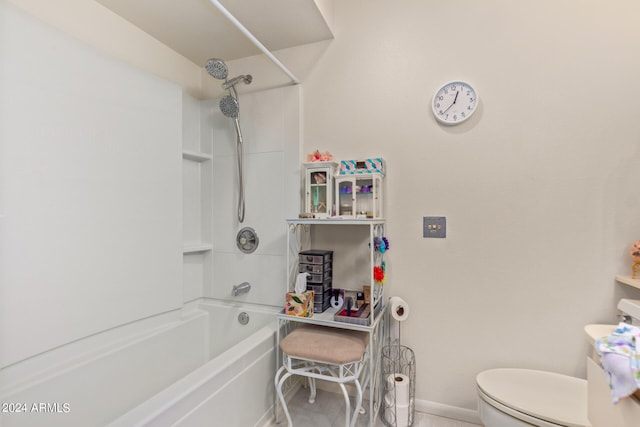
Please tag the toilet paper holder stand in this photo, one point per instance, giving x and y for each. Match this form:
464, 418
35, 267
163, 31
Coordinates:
398, 374
399, 378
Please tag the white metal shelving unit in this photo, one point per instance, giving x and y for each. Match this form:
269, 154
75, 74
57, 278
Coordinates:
354, 254
353, 260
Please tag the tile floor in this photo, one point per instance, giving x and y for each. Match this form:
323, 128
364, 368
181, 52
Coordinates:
328, 411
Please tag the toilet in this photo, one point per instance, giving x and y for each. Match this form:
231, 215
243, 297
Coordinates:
524, 397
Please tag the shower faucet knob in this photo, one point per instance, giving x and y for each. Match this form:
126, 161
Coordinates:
247, 240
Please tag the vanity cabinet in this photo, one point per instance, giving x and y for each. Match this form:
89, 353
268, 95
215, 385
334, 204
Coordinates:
602, 411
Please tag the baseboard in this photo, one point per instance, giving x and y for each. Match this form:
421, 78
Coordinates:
448, 411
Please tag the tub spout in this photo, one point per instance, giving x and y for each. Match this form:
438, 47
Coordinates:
240, 289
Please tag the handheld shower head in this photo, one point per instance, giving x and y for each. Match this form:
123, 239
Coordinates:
217, 68
229, 107
247, 79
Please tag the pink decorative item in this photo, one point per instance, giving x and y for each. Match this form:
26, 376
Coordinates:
634, 252
317, 156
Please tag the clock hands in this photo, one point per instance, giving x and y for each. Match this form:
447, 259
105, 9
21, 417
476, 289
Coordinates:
452, 104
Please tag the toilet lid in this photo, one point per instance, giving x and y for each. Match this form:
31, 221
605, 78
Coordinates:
555, 398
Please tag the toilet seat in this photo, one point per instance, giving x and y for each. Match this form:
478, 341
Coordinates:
537, 397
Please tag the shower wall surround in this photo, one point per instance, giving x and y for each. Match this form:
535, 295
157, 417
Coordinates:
90, 199
270, 123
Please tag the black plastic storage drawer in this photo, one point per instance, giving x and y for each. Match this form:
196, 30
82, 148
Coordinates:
315, 268
315, 256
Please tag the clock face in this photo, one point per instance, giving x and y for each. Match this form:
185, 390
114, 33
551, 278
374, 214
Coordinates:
454, 102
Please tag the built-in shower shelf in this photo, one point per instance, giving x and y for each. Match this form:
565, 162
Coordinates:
635, 283
196, 156
197, 248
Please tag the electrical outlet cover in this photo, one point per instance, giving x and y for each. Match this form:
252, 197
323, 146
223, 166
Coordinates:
434, 226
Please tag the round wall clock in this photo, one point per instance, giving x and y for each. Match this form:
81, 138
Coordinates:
454, 102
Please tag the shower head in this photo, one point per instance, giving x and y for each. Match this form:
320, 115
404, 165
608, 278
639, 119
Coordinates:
217, 68
247, 79
229, 107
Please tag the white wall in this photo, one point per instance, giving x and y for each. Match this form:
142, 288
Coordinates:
539, 188
90, 194
107, 32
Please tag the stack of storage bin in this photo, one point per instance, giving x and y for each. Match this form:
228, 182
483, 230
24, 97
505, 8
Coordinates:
318, 263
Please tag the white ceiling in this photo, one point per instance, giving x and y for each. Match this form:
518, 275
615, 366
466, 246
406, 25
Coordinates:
198, 30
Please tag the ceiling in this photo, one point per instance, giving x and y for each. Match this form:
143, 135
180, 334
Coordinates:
198, 30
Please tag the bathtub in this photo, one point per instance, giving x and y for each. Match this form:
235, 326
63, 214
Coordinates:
197, 366
233, 388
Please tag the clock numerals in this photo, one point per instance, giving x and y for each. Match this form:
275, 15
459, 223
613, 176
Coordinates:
454, 102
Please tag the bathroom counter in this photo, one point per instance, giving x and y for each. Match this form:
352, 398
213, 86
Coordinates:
597, 331
603, 413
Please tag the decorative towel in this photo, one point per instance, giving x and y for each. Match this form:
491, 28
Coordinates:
620, 359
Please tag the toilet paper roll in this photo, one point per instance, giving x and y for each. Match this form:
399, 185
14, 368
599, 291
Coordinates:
337, 302
398, 383
397, 416
388, 400
402, 415
399, 309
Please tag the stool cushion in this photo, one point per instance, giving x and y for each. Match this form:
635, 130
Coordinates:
325, 344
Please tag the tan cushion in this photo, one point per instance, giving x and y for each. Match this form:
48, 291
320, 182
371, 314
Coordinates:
325, 344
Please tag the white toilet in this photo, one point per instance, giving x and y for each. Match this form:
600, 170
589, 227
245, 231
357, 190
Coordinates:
524, 397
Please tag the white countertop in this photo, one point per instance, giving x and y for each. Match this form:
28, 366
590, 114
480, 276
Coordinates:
597, 331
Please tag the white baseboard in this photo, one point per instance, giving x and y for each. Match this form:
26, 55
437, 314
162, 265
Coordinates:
448, 411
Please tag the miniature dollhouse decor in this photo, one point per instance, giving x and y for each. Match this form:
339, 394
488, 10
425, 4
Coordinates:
319, 188
359, 188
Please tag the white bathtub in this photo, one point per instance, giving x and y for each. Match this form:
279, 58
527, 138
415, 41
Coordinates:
194, 368
234, 388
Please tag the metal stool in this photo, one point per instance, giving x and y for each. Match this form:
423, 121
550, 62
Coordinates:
326, 353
